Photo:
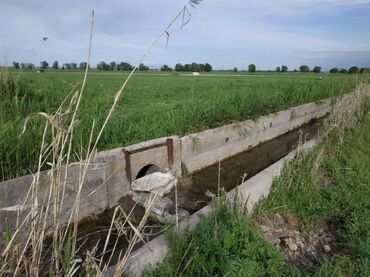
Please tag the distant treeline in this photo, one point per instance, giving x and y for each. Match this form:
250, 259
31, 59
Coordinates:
193, 67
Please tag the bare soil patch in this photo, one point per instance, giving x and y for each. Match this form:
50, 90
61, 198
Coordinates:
300, 249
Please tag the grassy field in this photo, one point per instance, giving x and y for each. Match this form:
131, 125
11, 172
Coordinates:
155, 105
329, 185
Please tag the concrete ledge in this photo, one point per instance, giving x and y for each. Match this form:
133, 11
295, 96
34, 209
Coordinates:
206, 148
249, 192
103, 181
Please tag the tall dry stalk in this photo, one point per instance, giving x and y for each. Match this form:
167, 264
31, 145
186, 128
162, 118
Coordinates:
28, 251
348, 110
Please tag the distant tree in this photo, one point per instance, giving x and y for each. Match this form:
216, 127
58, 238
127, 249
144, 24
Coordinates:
334, 70
295, 70
73, 66
16, 65
113, 66
343, 70
207, 67
179, 67
166, 68
187, 67
124, 66
23, 65
63, 67
102, 66
55, 65
252, 68
127, 67
67, 66
44, 65
235, 69
353, 70
316, 69
143, 67
30, 66
284, 68
277, 69
82, 65
364, 70
304, 68
195, 67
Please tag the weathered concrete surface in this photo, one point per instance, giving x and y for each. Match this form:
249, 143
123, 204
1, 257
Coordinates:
105, 183
204, 149
248, 194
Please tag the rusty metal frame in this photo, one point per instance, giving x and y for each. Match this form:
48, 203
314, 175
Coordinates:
168, 143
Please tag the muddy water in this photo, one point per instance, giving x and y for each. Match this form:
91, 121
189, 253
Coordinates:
192, 191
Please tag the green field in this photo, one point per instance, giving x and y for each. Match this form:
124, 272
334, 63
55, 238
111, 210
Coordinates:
155, 105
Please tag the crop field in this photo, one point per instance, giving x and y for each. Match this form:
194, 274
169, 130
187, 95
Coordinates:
153, 106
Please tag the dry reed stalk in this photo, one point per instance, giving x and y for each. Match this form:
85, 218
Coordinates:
348, 110
52, 201
121, 265
45, 214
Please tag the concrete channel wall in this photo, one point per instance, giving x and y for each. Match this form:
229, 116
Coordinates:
110, 174
205, 148
247, 194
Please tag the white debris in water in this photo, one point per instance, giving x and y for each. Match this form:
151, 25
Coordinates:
163, 209
143, 190
161, 204
157, 182
168, 218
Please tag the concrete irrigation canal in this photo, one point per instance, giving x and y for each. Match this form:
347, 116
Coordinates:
187, 170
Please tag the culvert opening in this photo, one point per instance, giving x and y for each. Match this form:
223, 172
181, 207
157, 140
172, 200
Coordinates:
146, 170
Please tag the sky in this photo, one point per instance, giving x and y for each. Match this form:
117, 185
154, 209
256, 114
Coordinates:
226, 34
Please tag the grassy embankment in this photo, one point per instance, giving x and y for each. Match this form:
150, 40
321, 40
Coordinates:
330, 184
154, 106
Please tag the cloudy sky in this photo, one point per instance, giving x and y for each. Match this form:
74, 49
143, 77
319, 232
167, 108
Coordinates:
224, 33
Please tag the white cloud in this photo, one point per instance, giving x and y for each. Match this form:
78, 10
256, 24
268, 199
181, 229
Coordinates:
277, 29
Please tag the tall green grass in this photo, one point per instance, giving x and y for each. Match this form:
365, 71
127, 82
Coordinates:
154, 106
331, 183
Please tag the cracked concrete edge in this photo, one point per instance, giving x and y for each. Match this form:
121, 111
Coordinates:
248, 193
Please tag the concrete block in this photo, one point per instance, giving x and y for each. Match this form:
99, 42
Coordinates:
115, 178
93, 197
